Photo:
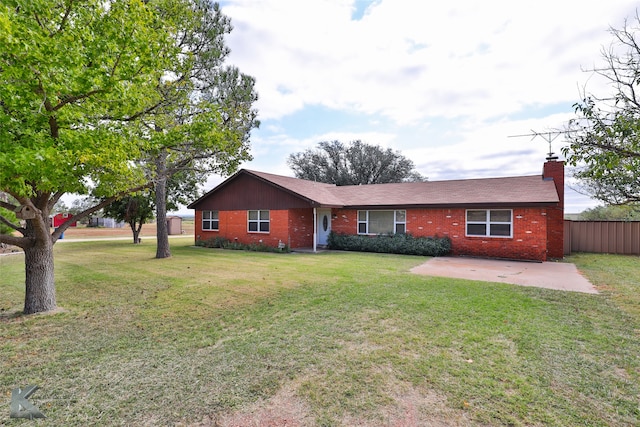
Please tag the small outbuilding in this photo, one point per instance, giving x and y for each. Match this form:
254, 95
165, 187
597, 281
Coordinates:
174, 225
60, 218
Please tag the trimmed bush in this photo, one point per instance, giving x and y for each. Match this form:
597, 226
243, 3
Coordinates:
223, 243
215, 242
404, 244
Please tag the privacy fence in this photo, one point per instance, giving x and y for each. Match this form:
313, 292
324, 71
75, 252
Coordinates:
613, 237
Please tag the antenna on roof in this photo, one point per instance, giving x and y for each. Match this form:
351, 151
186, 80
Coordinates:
549, 136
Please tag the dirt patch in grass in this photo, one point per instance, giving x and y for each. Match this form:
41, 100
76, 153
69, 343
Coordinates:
81, 232
411, 407
84, 232
285, 409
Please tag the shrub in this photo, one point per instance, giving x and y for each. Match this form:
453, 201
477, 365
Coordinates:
223, 243
404, 244
214, 242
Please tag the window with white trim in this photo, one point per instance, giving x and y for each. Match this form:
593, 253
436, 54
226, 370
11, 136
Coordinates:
210, 220
258, 221
490, 222
382, 222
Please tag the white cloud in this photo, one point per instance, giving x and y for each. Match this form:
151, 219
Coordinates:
446, 83
408, 60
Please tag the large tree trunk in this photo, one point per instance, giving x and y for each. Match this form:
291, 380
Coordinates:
162, 234
40, 286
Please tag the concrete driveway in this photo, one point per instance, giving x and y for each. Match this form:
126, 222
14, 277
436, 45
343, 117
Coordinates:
551, 275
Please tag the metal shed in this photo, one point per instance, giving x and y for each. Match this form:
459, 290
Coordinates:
174, 225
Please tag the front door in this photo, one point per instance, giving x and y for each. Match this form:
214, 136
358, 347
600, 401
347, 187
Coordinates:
323, 225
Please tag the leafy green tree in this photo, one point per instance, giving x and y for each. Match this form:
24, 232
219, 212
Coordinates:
604, 138
135, 210
203, 121
76, 81
352, 164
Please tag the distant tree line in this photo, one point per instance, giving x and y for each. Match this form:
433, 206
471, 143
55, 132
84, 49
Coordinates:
629, 212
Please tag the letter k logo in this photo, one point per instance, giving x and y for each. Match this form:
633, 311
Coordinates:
21, 407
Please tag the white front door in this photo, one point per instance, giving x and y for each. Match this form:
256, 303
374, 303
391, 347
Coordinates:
323, 225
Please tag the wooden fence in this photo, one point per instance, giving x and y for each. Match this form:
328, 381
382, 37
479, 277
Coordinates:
613, 237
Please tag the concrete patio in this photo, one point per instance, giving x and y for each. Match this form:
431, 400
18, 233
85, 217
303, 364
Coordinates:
551, 275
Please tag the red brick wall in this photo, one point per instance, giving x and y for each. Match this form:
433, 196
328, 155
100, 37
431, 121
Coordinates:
555, 222
528, 241
292, 227
300, 228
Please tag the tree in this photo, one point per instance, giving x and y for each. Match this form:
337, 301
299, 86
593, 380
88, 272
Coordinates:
203, 122
352, 164
76, 81
81, 204
604, 138
135, 210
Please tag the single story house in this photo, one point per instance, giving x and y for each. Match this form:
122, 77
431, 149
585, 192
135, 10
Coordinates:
515, 217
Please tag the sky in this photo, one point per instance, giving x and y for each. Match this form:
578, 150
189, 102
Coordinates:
447, 84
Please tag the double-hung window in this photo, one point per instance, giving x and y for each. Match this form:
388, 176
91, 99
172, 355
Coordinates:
382, 222
210, 220
258, 221
490, 222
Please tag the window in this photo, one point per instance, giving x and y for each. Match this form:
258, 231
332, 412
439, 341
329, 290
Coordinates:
382, 222
210, 220
492, 223
258, 221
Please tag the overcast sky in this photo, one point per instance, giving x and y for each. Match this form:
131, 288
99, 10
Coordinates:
445, 83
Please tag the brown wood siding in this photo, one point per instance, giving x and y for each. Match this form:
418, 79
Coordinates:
246, 192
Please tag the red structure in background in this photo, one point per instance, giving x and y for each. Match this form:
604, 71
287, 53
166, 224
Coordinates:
58, 219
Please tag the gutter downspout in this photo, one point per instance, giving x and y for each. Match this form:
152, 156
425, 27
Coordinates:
315, 229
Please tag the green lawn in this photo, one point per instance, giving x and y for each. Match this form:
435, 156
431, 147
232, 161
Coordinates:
213, 337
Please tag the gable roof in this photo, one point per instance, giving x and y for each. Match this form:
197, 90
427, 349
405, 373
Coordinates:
318, 192
488, 192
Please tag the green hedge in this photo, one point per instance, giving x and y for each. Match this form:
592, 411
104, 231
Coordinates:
221, 242
404, 244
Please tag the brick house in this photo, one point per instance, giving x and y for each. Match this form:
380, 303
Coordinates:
515, 217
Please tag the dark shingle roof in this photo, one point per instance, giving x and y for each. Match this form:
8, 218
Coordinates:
520, 190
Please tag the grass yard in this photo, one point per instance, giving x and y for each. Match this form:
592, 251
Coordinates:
225, 338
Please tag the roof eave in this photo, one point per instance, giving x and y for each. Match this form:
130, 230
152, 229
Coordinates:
458, 205
285, 189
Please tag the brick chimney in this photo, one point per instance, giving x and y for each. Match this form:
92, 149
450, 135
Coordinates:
554, 170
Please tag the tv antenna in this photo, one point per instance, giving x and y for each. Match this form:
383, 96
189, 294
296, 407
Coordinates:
548, 136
